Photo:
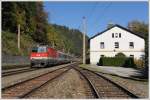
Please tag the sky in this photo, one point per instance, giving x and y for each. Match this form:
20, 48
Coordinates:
97, 14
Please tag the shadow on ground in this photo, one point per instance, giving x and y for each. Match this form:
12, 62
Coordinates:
142, 74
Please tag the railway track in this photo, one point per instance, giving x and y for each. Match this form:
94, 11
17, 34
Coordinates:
22, 89
102, 87
17, 71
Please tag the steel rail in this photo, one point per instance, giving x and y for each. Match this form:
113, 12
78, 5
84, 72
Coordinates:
4, 88
94, 91
119, 86
112, 82
22, 96
17, 71
28, 93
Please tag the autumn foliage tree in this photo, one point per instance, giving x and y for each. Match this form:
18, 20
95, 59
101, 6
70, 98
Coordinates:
142, 29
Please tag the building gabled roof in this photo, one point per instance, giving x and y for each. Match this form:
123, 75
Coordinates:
116, 25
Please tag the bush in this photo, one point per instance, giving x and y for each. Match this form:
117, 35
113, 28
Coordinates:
129, 62
100, 63
116, 61
139, 63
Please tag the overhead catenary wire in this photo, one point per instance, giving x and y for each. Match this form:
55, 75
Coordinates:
89, 15
99, 18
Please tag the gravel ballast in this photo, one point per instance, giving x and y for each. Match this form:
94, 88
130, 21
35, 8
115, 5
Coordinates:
69, 85
139, 88
13, 79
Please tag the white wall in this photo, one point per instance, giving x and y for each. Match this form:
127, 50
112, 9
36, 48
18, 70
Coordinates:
106, 37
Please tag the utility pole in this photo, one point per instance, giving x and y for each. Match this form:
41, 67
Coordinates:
84, 32
53, 44
19, 37
19, 22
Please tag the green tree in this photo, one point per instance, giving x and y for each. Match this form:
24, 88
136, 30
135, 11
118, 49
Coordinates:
41, 24
8, 16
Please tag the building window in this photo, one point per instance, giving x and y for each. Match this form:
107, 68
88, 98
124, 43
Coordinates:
116, 44
102, 55
116, 35
119, 35
102, 45
132, 56
142, 56
131, 45
112, 35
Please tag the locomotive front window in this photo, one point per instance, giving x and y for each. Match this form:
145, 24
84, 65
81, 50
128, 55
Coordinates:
34, 49
42, 49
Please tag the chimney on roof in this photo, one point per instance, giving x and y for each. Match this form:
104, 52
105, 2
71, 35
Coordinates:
131, 27
110, 24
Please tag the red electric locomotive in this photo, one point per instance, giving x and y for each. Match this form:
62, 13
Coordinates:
42, 56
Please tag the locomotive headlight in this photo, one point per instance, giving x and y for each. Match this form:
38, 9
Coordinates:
31, 58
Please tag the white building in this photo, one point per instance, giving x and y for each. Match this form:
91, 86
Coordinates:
114, 40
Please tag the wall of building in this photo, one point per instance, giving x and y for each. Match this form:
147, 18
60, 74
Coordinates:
109, 43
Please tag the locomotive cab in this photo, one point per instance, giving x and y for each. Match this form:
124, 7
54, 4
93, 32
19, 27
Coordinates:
39, 56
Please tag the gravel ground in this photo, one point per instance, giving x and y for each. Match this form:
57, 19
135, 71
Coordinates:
10, 80
69, 85
120, 71
137, 87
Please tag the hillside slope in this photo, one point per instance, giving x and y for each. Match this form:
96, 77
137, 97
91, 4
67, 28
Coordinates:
35, 29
